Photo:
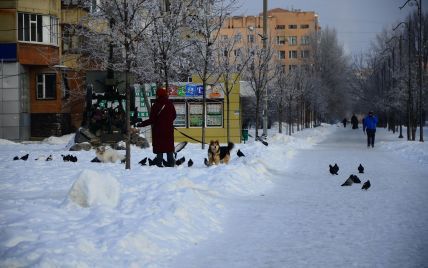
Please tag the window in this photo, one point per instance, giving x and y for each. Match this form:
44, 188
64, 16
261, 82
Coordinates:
70, 41
292, 26
292, 67
304, 54
214, 114
237, 38
250, 38
280, 27
292, 40
37, 28
46, 86
304, 40
225, 53
237, 52
280, 40
94, 6
304, 26
292, 54
195, 114
281, 54
180, 109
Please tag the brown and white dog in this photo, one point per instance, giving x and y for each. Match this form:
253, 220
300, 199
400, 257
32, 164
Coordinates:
219, 154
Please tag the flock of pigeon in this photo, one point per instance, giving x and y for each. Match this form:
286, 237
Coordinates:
65, 158
352, 178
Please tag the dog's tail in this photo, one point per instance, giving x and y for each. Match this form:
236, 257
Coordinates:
230, 146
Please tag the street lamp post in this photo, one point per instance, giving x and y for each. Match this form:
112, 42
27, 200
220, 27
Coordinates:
265, 109
410, 95
419, 5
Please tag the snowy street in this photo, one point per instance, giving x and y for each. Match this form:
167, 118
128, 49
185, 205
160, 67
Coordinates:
309, 220
276, 207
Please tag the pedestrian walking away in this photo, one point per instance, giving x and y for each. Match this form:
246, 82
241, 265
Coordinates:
162, 116
369, 126
344, 122
354, 121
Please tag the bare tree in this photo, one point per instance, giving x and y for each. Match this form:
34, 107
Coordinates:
206, 21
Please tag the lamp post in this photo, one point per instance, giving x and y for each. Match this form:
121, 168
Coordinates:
410, 95
419, 5
264, 39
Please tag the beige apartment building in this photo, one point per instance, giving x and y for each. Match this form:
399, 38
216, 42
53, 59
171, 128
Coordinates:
288, 32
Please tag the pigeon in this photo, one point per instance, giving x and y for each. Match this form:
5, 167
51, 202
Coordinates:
239, 153
143, 161
95, 160
25, 157
366, 185
360, 169
333, 170
336, 167
206, 162
73, 158
180, 161
190, 163
49, 158
151, 162
16, 158
355, 179
262, 141
348, 182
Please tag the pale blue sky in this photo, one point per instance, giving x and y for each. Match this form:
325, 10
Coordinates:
356, 21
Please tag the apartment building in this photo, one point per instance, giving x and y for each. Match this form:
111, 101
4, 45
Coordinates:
289, 32
38, 85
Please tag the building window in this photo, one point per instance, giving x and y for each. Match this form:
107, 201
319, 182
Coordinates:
195, 114
37, 28
250, 38
292, 40
281, 54
304, 40
46, 86
280, 27
237, 52
304, 26
292, 26
214, 114
180, 109
70, 41
237, 38
280, 40
292, 54
304, 54
292, 67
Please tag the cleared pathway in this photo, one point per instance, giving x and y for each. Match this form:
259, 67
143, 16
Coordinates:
309, 220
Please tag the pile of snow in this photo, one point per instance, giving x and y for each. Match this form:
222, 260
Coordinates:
6, 142
92, 188
59, 140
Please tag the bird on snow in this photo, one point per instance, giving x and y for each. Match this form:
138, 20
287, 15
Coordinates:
190, 163
348, 182
355, 179
151, 162
16, 158
333, 171
360, 169
366, 185
95, 160
49, 158
180, 161
206, 162
25, 157
239, 153
336, 167
143, 161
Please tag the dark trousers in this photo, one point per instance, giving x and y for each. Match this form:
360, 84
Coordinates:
370, 137
169, 157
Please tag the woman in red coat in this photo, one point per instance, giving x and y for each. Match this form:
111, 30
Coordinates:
162, 116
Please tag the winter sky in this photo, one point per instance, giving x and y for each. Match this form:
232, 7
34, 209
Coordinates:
356, 21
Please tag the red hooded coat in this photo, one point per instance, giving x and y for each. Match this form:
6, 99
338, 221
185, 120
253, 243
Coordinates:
162, 116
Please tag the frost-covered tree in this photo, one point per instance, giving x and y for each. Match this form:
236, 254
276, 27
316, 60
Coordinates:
230, 62
113, 34
205, 21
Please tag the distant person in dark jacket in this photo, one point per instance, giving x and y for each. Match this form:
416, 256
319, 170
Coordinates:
344, 121
354, 122
162, 116
369, 126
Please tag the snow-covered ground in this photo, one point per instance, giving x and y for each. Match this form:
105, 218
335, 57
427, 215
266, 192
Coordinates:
276, 207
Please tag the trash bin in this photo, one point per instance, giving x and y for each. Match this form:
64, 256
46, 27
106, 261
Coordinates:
245, 134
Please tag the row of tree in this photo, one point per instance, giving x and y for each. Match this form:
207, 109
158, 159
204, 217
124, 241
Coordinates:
390, 79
